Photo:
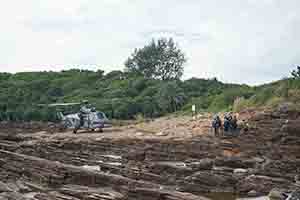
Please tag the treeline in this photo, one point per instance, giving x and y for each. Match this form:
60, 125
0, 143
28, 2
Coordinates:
124, 95
119, 94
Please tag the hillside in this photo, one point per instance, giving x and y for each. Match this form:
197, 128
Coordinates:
124, 95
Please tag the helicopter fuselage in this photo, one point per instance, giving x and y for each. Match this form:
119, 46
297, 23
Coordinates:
92, 120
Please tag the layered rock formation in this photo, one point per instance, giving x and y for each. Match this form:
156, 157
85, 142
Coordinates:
47, 165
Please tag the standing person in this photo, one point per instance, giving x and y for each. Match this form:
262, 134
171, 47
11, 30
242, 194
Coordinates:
234, 124
216, 125
84, 111
226, 124
85, 108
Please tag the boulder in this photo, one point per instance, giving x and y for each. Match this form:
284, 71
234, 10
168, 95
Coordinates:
261, 184
277, 194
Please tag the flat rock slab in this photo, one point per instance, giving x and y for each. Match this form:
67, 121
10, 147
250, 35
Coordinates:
72, 182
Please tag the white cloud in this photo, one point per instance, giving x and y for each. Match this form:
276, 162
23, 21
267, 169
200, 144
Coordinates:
242, 41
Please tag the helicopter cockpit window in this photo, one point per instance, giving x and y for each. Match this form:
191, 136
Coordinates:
100, 115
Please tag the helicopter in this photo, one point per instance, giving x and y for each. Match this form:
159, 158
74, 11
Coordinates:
87, 118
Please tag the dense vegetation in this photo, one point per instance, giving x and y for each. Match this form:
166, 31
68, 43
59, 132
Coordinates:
136, 91
123, 95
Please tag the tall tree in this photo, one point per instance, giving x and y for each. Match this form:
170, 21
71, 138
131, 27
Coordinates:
160, 59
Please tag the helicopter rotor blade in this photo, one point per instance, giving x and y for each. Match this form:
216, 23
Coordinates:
59, 104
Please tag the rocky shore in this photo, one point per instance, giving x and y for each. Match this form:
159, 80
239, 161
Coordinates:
36, 163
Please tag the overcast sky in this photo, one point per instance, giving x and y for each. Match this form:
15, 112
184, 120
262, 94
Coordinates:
244, 41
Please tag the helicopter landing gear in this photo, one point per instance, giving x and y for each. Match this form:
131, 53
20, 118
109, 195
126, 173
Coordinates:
100, 130
76, 129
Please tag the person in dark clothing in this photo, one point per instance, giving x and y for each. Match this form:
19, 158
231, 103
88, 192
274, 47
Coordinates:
234, 124
226, 125
216, 125
81, 117
84, 111
227, 122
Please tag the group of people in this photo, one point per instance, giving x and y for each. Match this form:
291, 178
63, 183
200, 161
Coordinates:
229, 125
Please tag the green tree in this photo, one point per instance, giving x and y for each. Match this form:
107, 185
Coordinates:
170, 97
160, 59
